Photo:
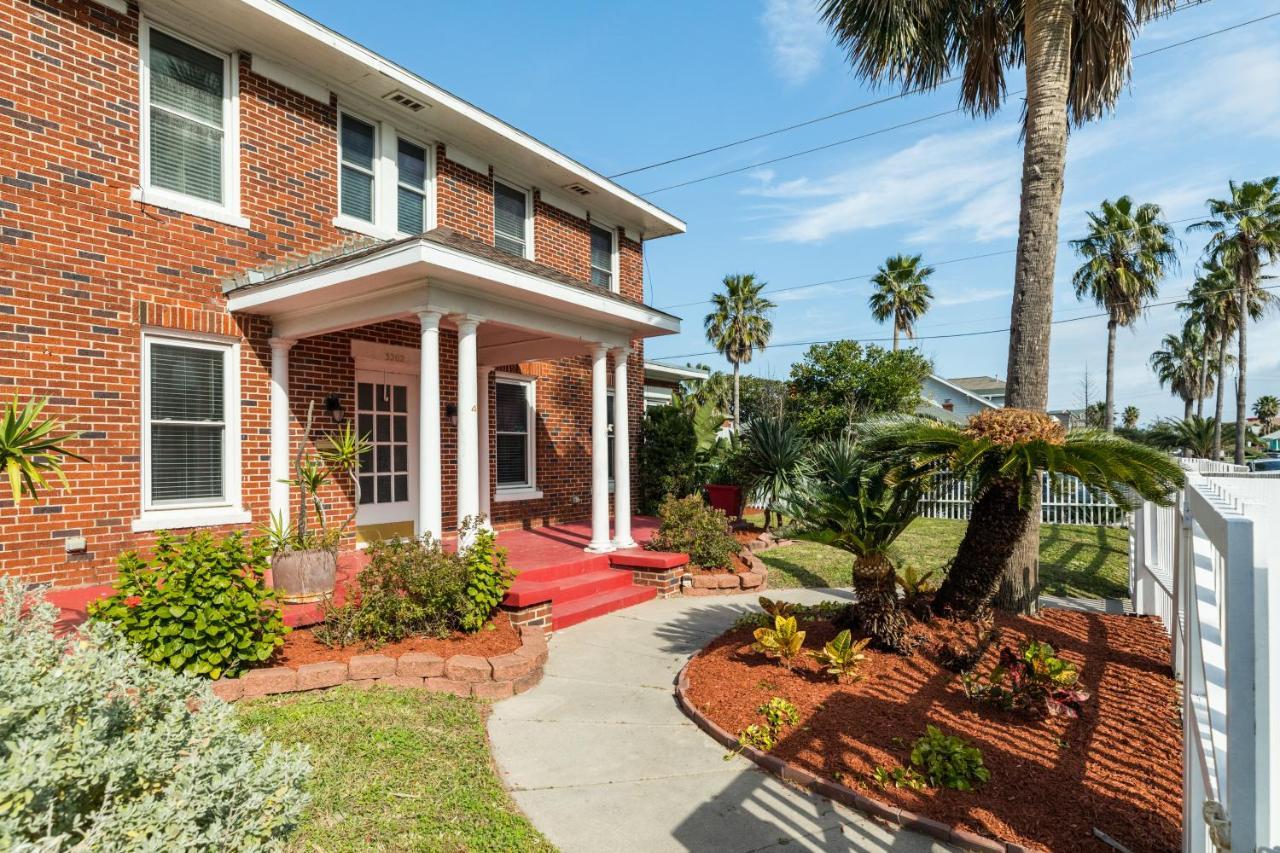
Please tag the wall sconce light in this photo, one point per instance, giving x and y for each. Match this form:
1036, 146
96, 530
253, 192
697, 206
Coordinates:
333, 405
451, 412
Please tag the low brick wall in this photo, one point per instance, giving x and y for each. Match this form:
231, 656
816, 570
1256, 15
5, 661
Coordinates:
463, 675
726, 583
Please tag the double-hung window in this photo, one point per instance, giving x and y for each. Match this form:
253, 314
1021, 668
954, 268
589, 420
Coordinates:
411, 188
190, 424
602, 257
359, 144
511, 219
514, 417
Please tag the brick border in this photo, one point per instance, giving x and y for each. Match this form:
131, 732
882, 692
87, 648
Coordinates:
755, 580
493, 678
893, 815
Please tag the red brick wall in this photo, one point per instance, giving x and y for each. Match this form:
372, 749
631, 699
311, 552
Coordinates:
83, 269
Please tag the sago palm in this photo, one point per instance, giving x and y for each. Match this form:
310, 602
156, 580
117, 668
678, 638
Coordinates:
1126, 253
1192, 433
773, 460
32, 448
738, 325
863, 512
902, 294
1003, 453
1244, 236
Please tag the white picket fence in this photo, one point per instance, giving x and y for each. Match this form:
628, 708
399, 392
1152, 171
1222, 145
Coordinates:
1208, 567
1063, 501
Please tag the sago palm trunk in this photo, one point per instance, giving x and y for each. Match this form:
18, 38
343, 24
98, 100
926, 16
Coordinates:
1109, 415
1218, 402
876, 610
1044, 154
1242, 412
997, 528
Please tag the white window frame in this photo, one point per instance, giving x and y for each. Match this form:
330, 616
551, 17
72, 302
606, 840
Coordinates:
528, 490
228, 212
528, 214
427, 190
229, 509
613, 253
344, 220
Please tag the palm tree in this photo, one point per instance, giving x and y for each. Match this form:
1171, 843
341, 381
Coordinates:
1193, 433
1210, 303
848, 497
901, 294
1265, 409
1130, 418
773, 461
1126, 253
738, 325
1244, 236
1077, 59
1003, 454
1180, 364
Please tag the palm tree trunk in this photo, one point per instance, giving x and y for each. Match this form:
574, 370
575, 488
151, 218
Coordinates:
1242, 413
1186, 409
1217, 406
997, 528
895, 337
1044, 154
1204, 380
1109, 415
737, 413
876, 611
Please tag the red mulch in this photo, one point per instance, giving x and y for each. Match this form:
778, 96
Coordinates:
1053, 780
301, 646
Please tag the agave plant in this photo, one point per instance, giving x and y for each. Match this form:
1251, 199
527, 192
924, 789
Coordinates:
773, 461
31, 448
338, 456
1004, 453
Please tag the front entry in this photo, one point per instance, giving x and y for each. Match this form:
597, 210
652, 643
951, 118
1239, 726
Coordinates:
387, 415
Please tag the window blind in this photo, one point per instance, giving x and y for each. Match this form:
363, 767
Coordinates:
411, 194
186, 118
509, 211
357, 168
187, 424
601, 256
512, 427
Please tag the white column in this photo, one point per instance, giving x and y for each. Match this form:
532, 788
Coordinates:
600, 450
429, 426
468, 428
482, 410
621, 453
280, 426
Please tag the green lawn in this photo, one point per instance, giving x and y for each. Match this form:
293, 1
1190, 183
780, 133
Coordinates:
1088, 562
395, 770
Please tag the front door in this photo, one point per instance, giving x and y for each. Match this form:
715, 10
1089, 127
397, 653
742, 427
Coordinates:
387, 415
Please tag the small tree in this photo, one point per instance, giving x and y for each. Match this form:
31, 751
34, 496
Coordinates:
1265, 409
1130, 417
738, 325
838, 384
901, 294
668, 456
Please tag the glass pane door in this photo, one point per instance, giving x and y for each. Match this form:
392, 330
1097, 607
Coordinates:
382, 416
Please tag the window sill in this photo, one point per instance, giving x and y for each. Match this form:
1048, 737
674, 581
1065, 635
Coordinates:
185, 204
369, 229
503, 496
181, 519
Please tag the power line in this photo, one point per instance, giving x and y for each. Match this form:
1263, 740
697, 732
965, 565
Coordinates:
923, 119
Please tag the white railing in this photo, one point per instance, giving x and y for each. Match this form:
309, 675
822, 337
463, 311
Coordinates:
1225, 598
1063, 501
1211, 466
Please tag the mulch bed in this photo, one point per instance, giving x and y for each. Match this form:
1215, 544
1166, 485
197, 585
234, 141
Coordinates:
301, 646
1053, 780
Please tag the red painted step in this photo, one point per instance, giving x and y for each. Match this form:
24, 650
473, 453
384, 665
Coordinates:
525, 593
565, 614
573, 566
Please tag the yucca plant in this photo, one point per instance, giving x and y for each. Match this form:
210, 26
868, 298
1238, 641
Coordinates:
31, 448
783, 641
842, 656
773, 461
1003, 453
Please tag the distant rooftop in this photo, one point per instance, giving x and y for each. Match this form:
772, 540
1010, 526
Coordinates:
979, 384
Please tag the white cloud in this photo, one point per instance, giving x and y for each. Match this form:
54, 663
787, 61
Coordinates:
796, 38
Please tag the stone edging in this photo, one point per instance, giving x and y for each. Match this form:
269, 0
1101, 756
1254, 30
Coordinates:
755, 580
493, 678
893, 815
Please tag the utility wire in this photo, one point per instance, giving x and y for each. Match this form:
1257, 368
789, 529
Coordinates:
923, 119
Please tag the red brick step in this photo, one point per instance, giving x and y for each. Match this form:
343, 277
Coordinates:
565, 614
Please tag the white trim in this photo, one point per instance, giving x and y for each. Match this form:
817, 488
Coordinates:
563, 204
502, 496
288, 78
466, 159
386, 358
228, 509
529, 219
672, 373
118, 6
228, 211
350, 223
530, 484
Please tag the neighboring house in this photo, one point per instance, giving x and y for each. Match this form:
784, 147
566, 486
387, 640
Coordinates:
662, 380
218, 214
945, 400
987, 387
1272, 440
1069, 418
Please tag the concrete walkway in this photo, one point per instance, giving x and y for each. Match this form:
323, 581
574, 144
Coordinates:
601, 759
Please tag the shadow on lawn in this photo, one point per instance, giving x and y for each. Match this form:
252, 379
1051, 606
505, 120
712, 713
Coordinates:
799, 572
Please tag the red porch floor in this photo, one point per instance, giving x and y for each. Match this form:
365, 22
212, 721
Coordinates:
549, 552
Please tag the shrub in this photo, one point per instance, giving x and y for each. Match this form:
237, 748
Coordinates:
842, 656
783, 641
778, 714
100, 750
488, 577
899, 777
947, 761
198, 606
691, 527
668, 450
1033, 681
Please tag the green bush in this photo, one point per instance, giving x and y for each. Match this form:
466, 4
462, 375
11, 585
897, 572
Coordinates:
199, 606
100, 750
668, 457
691, 527
947, 761
488, 577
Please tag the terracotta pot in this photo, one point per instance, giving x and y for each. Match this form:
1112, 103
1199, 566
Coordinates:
727, 499
302, 576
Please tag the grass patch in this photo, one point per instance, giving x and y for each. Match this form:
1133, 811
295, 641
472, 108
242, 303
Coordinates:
395, 770
1085, 562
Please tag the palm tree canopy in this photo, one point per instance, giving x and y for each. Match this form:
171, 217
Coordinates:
739, 324
1211, 302
902, 292
1266, 407
1002, 445
1126, 253
1179, 361
1244, 230
1194, 433
921, 44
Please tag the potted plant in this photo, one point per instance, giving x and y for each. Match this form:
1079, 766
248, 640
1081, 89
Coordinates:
723, 475
304, 565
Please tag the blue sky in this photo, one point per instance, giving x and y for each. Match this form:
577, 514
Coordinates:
618, 86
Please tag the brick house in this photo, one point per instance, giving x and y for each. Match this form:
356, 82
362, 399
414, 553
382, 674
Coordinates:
217, 214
